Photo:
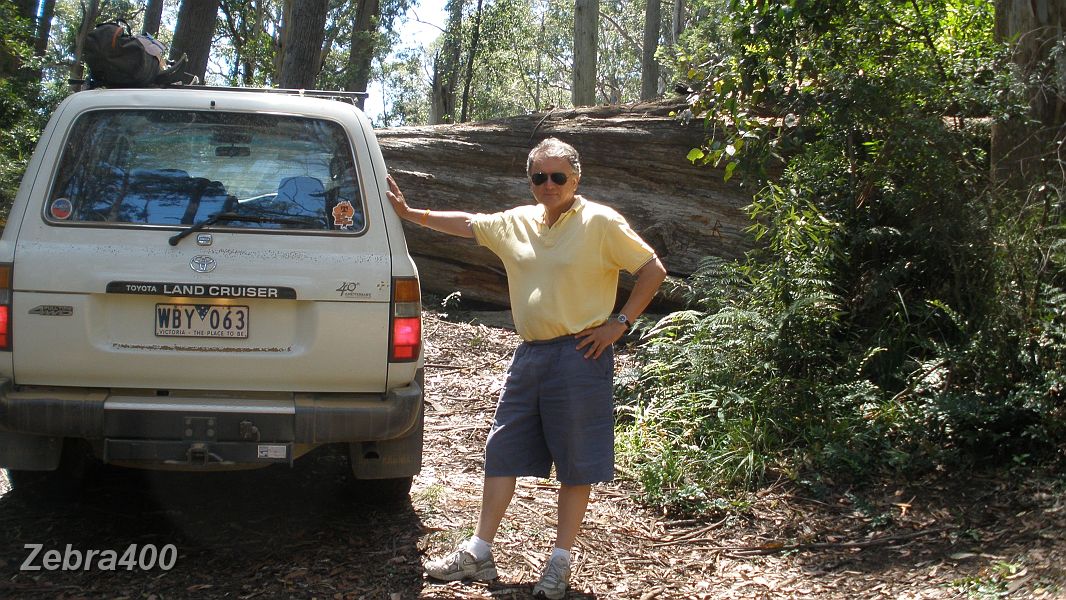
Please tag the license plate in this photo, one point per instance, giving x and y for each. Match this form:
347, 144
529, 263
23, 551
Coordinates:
201, 320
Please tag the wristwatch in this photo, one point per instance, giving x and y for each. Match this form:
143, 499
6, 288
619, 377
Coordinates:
623, 319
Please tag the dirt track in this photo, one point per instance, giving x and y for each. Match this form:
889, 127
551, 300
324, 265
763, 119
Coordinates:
280, 532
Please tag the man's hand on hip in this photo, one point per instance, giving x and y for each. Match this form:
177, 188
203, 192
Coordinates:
598, 339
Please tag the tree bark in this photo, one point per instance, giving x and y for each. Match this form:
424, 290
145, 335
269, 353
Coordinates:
302, 43
1034, 28
361, 53
633, 158
446, 67
193, 35
153, 16
44, 28
649, 67
586, 25
471, 55
90, 12
677, 21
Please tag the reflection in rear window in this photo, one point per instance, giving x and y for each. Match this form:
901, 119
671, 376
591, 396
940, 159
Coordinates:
153, 167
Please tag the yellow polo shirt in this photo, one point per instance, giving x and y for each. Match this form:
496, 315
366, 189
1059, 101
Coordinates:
561, 279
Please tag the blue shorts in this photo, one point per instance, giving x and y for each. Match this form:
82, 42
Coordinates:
556, 407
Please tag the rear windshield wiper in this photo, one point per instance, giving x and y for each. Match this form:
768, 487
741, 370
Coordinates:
232, 216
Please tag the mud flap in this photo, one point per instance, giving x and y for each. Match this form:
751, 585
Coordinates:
25, 452
388, 459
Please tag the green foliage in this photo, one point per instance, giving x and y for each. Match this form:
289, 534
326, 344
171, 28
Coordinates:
900, 308
405, 100
18, 129
524, 57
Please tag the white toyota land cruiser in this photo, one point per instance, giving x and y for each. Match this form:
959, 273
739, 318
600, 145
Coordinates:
208, 279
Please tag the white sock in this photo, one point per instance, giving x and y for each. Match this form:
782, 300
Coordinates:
564, 554
478, 547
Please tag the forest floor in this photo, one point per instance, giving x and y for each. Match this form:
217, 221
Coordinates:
941, 537
296, 532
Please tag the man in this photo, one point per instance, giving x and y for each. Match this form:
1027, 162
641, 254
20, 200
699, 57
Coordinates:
562, 258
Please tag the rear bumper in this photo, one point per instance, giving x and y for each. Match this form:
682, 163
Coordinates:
189, 428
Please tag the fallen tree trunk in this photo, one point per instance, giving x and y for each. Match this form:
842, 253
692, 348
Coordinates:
632, 158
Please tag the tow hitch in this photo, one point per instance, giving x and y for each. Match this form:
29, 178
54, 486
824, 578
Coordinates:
198, 454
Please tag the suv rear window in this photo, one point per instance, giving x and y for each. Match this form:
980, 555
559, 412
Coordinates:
174, 168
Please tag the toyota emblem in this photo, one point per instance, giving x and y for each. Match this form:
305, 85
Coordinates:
202, 264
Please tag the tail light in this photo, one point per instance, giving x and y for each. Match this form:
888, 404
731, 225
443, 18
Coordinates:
405, 337
5, 307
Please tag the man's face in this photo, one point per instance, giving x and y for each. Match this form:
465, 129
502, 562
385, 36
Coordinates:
552, 194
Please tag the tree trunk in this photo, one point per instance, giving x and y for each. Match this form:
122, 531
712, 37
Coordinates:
243, 20
193, 35
302, 43
329, 36
471, 55
44, 28
649, 67
446, 67
252, 63
677, 21
90, 12
153, 16
633, 158
361, 52
280, 33
1035, 29
586, 25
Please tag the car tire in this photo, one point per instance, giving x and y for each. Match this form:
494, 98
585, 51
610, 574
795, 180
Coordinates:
63, 484
383, 492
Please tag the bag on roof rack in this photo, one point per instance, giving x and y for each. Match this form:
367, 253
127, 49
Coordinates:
117, 58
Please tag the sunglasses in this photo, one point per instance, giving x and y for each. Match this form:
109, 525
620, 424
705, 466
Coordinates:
540, 178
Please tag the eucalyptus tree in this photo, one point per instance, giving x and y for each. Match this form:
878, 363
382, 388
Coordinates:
404, 85
361, 47
514, 56
153, 17
649, 66
677, 21
1034, 33
586, 26
90, 12
372, 35
301, 42
197, 20
471, 56
446, 66
522, 60
249, 50
43, 27
618, 64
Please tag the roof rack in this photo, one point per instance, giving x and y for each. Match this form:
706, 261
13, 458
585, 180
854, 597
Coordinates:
291, 92
339, 94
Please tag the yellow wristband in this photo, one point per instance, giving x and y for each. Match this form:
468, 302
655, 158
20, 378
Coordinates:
425, 217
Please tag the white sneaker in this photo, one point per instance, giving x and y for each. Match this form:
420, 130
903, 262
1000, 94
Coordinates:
553, 581
462, 565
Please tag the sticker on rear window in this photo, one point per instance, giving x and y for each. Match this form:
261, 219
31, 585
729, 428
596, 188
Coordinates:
343, 215
61, 208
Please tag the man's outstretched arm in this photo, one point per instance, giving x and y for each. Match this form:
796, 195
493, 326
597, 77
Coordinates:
452, 222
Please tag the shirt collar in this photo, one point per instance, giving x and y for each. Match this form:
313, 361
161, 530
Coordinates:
577, 206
